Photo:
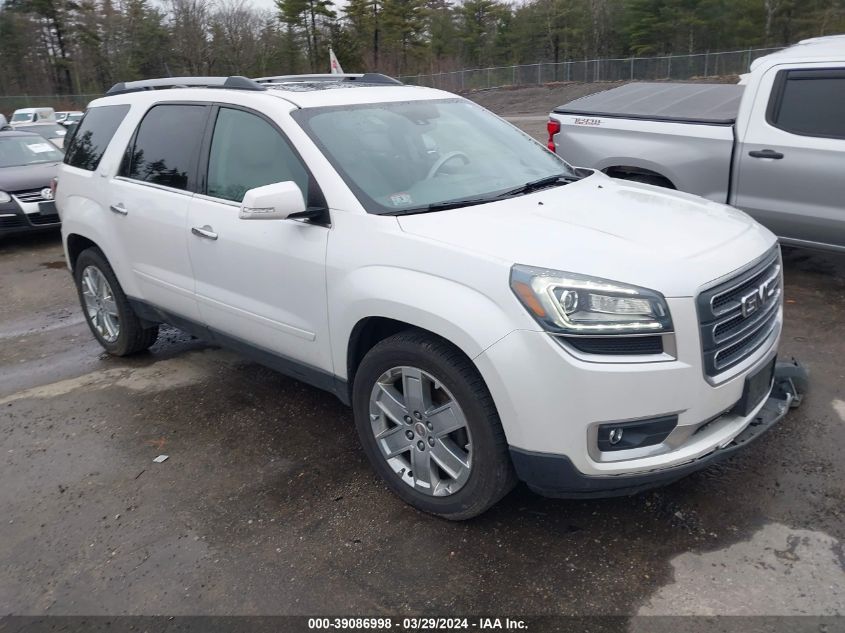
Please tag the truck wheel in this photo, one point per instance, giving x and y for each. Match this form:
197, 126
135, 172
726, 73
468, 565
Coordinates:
107, 311
429, 426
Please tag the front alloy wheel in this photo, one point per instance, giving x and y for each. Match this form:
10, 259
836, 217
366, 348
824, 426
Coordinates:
429, 427
421, 431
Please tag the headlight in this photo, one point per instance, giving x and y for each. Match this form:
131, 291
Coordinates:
568, 303
5, 197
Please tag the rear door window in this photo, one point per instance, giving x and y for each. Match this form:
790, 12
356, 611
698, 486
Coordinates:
809, 102
166, 145
93, 136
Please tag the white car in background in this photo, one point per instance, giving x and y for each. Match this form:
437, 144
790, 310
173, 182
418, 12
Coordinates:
490, 313
27, 116
69, 117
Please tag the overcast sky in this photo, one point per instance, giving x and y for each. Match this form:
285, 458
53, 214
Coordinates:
270, 5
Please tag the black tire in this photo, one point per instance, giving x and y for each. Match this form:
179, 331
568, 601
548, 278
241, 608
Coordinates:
134, 335
491, 475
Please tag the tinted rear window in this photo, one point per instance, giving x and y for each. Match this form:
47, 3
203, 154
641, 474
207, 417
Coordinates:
166, 146
811, 103
91, 139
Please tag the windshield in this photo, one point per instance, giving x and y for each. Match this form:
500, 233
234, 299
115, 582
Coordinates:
21, 117
401, 157
27, 150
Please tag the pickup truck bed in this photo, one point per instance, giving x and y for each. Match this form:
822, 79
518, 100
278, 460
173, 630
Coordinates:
777, 155
707, 104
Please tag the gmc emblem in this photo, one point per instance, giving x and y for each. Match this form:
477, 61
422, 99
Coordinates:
757, 298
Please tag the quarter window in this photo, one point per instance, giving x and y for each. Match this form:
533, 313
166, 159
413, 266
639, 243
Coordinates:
810, 102
248, 152
93, 136
166, 145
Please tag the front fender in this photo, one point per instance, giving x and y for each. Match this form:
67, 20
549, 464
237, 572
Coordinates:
464, 316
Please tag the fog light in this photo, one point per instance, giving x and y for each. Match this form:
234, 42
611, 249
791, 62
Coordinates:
620, 436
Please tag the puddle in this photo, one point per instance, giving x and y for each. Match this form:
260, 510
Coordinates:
57, 265
188, 369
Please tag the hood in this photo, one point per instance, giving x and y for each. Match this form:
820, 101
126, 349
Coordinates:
661, 239
27, 176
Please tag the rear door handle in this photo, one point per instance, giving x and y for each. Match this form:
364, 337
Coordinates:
204, 231
766, 153
119, 209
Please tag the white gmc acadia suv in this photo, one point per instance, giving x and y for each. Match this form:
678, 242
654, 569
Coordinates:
490, 312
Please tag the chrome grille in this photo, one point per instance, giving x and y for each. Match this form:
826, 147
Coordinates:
31, 195
738, 315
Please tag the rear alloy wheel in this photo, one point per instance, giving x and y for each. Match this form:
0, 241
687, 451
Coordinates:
107, 310
429, 427
99, 304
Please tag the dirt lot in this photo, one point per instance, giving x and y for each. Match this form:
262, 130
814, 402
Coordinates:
266, 504
536, 100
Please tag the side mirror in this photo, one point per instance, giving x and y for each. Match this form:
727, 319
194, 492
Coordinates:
272, 202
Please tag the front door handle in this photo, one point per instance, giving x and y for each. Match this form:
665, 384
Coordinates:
119, 209
204, 231
766, 153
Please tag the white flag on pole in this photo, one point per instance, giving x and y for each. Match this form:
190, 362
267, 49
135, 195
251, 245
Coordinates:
336, 69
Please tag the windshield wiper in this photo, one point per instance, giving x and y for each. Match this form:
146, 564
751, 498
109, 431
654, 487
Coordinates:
440, 206
528, 187
536, 185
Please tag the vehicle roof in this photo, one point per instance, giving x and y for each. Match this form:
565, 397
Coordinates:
325, 93
824, 48
299, 94
25, 110
716, 104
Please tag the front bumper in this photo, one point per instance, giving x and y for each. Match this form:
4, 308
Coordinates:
23, 217
556, 476
554, 403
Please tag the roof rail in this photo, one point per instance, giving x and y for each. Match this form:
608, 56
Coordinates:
362, 78
235, 82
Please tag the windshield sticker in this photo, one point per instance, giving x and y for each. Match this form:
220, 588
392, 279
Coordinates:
401, 199
40, 148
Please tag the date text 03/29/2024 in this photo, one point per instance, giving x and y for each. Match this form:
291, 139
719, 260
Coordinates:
418, 624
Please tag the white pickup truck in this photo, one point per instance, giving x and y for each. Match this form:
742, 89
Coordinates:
773, 145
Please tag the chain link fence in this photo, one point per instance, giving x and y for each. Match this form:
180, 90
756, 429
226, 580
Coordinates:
668, 67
